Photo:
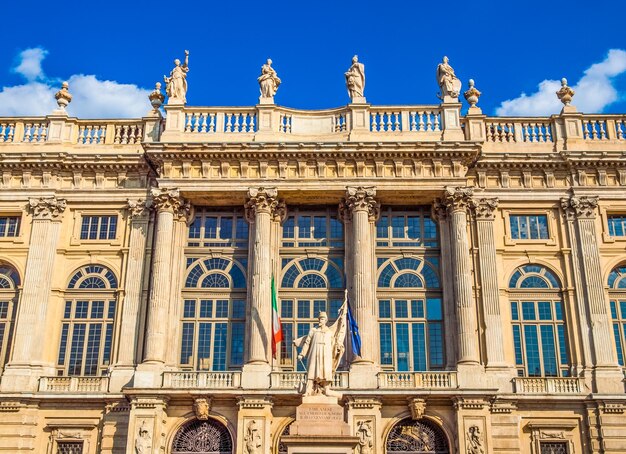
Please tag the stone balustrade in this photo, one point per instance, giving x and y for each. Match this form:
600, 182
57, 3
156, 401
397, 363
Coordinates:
292, 380
417, 380
74, 384
551, 385
267, 123
204, 380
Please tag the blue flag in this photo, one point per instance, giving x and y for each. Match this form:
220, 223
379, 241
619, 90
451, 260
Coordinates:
354, 332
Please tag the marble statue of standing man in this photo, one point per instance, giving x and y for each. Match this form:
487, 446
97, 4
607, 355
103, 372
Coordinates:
449, 84
268, 81
176, 87
355, 80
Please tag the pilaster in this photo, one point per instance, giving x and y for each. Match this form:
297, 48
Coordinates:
607, 375
364, 210
27, 362
148, 414
365, 421
278, 217
260, 208
254, 421
473, 425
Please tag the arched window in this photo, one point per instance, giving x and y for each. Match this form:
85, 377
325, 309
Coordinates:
617, 296
210, 437
410, 314
539, 333
309, 285
88, 322
421, 436
214, 312
9, 282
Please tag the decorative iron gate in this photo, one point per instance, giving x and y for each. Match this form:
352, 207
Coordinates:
203, 437
416, 437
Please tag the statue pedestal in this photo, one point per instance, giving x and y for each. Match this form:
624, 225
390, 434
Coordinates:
319, 428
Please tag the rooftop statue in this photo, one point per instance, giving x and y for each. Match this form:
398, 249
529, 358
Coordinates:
355, 80
323, 348
449, 84
176, 87
268, 80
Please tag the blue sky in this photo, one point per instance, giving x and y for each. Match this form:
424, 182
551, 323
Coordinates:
113, 52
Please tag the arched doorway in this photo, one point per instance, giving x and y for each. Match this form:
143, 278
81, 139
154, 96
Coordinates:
416, 437
203, 437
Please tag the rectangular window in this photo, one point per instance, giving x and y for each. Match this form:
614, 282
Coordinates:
554, 447
617, 224
413, 228
69, 447
9, 226
211, 229
319, 228
529, 226
98, 228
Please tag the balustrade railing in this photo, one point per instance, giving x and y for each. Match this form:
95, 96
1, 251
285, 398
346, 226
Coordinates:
417, 380
222, 120
293, 380
548, 385
74, 384
405, 119
522, 130
209, 380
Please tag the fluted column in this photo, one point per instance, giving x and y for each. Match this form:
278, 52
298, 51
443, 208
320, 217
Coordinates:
278, 217
260, 208
484, 211
364, 210
458, 200
583, 211
27, 360
166, 202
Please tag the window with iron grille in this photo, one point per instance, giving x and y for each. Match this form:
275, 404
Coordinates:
70, 447
554, 447
9, 226
98, 228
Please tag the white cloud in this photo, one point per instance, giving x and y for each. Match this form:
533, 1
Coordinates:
594, 91
92, 98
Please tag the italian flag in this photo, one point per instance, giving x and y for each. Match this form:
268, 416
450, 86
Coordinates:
277, 328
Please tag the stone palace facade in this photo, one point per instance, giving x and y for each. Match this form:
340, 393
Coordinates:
484, 258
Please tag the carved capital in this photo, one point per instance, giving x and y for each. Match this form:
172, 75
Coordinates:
458, 198
362, 199
202, 407
47, 207
260, 200
439, 211
280, 212
485, 208
138, 208
417, 407
184, 212
580, 207
167, 199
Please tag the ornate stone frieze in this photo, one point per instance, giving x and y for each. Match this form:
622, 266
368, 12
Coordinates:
582, 207
202, 407
613, 407
363, 199
417, 407
47, 207
167, 199
458, 198
484, 208
260, 200
138, 208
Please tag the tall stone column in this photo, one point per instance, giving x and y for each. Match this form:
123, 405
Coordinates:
138, 212
166, 202
364, 211
440, 214
490, 293
27, 363
260, 208
458, 200
583, 210
278, 217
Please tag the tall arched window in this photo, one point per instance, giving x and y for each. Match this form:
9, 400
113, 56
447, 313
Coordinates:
9, 283
309, 285
88, 322
214, 312
410, 314
539, 332
617, 296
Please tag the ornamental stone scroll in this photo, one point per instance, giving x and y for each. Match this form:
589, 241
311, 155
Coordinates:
47, 207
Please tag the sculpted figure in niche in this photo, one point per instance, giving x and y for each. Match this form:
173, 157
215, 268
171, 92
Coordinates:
323, 349
355, 79
366, 438
268, 80
253, 442
475, 441
449, 84
143, 442
176, 87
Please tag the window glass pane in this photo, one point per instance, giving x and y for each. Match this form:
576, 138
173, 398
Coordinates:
397, 227
304, 309
204, 346
417, 309
531, 340
558, 310
237, 343
384, 309
433, 309
545, 310
239, 309
108, 340
288, 228
386, 352
618, 344
189, 309
528, 311
319, 227
382, 227
543, 227
430, 228
221, 309
419, 347
63, 344
93, 349
186, 352
402, 346
81, 309
286, 310
435, 344
210, 227
76, 349
517, 344
318, 306
549, 353
514, 312
562, 345
413, 227
336, 228
194, 228
304, 226
335, 305
226, 228
219, 353
286, 349
402, 309
613, 310
242, 229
